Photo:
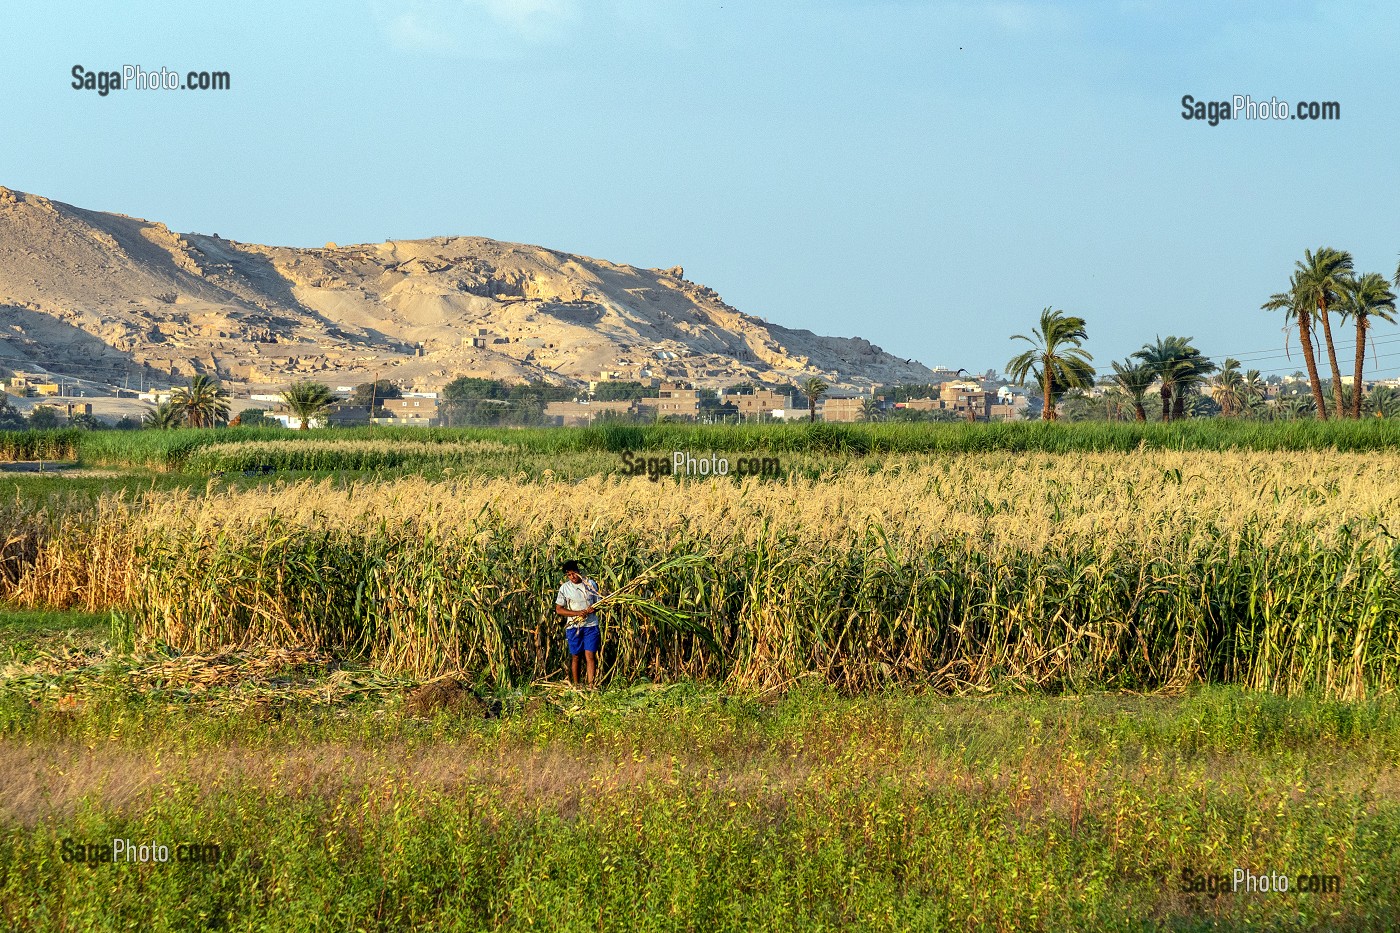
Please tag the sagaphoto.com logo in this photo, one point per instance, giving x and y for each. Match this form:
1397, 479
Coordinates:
1244, 107
134, 77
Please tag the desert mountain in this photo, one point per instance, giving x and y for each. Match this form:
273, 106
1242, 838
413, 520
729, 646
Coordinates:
108, 297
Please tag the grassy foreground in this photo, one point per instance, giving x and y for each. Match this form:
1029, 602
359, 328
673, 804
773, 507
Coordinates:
686, 808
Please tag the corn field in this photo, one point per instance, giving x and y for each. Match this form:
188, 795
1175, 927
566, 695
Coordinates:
39, 445
962, 572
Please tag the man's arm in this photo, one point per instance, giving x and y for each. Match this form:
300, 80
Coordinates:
593, 596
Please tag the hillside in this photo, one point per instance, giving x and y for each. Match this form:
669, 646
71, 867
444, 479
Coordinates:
112, 297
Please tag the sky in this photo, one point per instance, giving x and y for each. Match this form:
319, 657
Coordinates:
926, 175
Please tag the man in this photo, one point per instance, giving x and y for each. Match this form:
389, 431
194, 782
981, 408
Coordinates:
577, 596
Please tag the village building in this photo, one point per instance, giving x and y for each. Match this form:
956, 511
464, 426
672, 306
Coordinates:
758, 404
842, 408
417, 411
675, 400
578, 414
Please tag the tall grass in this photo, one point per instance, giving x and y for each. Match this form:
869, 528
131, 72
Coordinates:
1279, 572
163, 449
177, 449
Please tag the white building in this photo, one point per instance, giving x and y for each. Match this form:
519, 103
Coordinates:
289, 420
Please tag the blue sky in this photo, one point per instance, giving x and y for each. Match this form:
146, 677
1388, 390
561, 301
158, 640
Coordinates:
926, 175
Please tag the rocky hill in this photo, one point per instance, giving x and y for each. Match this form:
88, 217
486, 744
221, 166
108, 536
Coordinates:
110, 297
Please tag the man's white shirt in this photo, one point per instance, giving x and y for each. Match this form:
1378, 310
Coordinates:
577, 596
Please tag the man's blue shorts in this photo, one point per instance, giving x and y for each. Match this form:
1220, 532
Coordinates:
584, 639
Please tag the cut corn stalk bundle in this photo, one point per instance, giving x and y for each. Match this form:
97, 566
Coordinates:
234, 677
634, 596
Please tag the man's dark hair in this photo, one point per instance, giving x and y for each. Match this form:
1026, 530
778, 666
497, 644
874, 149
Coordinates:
572, 565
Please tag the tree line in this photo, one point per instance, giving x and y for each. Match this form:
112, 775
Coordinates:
1324, 282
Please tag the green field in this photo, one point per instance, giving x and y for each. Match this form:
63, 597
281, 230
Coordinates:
175, 449
931, 677
684, 807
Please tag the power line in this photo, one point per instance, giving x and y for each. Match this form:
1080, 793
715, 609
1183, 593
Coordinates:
1281, 354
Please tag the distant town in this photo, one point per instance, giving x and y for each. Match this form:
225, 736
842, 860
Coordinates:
41, 400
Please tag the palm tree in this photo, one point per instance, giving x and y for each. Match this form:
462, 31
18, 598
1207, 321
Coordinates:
1116, 403
1228, 389
870, 410
814, 389
1289, 302
1196, 405
1134, 380
164, 416
1254, 384
1318, 283
1056, 359
1325, 273
1076, 405
1362, 299
1194, 373
1298, 406
1180, 367
203, 403
308, 400
1160, 358
1255, 388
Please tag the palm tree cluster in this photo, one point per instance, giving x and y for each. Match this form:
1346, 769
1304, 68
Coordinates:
201, 404
1237, 392
1324, 281
1382, 402
1058, 362
1134, 381
1178, 368
204, 404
